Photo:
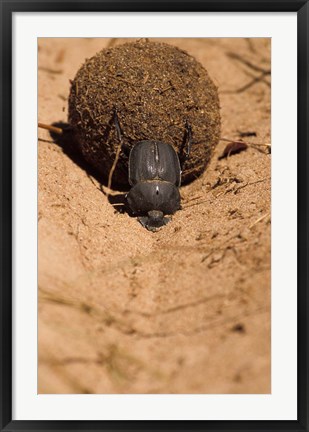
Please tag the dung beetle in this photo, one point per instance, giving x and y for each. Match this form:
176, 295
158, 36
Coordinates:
155, 177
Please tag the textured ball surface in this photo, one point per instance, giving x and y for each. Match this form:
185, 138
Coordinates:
156, 88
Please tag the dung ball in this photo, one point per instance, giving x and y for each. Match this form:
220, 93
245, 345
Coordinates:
155, 88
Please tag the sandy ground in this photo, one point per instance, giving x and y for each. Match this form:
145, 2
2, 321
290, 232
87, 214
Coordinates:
183, 310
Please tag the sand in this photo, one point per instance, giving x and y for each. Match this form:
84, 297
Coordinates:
182, 310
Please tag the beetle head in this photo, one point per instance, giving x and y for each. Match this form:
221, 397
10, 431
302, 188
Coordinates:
154, 220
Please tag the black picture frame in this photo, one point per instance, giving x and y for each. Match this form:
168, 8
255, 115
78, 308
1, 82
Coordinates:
7, 10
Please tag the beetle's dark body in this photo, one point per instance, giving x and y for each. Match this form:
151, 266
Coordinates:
154, 160
154, 195
155, 176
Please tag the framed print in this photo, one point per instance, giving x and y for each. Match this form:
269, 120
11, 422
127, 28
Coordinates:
154, 215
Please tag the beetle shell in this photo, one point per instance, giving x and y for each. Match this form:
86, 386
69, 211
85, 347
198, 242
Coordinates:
154, 160
154, 195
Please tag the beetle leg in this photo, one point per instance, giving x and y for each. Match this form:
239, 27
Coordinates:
143, 220
117, 125
188, 139
186, 144
124, 146
118, 150
126, 149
